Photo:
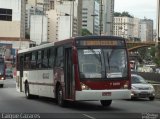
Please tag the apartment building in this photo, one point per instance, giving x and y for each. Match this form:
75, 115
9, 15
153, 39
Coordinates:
107, 17
124, 27
12, 23
133, 28
146, 30
90, 16
62, 21
11, 19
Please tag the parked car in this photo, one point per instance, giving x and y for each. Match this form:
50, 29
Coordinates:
140, 88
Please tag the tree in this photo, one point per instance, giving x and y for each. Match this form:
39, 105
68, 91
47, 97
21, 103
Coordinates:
117, 14
126, 14
123, 14
86, 32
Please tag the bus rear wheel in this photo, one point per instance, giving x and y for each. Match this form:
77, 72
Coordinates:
106, 102
60, 99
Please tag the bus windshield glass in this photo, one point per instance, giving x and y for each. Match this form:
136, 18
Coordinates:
102, 63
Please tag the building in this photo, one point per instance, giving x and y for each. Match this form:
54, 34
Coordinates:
124, 26
31, 10
146, 30
62, 21
39, 28
134, 29
90, 16
12, 19
67, 13
12, 23
107, 17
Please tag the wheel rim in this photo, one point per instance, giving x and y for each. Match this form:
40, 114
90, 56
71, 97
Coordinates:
27, 90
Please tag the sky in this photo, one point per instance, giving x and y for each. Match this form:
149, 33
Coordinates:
138, 8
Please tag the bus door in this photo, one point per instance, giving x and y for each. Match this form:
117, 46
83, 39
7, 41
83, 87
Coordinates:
21, 71
68, 73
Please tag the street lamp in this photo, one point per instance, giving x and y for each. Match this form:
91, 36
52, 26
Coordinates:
94, 15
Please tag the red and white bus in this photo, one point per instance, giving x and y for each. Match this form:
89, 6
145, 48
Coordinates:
77, 69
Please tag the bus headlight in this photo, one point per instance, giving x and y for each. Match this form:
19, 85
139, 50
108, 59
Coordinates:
126, 85
2, 78
84, 87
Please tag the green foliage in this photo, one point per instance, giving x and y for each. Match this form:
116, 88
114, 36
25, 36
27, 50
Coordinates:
117, 14
157, 61
153, 51
123, 14
85, 32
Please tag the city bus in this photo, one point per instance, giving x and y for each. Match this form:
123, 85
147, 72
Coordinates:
2, 71
88, 68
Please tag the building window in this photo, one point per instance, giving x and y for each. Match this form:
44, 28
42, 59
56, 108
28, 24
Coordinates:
6, 14
51, 4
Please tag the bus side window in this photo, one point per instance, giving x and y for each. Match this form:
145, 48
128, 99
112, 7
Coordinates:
51, 57
33, 60
39, 59
59, 57
27, 61
45, 59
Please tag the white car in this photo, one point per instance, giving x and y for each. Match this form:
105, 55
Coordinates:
140, 88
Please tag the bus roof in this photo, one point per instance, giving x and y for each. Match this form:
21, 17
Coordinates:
71, 40
36, 47
87, 37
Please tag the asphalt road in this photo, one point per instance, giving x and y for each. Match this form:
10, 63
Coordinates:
13, 102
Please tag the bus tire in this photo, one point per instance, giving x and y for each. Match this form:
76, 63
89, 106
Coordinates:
106, 102
28, 95
1, 85
60, 99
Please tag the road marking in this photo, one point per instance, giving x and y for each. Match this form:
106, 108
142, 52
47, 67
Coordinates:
90, 117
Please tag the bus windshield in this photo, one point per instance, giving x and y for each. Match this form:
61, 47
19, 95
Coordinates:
102, 63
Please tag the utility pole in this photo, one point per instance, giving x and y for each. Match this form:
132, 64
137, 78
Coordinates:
94, 15
158, 31
101, 13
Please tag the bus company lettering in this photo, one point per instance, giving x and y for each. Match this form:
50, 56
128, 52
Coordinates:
115, 84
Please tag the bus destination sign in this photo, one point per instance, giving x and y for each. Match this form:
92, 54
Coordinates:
100, 42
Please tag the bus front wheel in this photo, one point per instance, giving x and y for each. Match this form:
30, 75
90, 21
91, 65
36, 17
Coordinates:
60, 99
28, 96
106, 102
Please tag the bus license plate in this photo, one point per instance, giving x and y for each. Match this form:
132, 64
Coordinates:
106, 93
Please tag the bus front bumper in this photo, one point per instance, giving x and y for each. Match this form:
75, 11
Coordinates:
103, 94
